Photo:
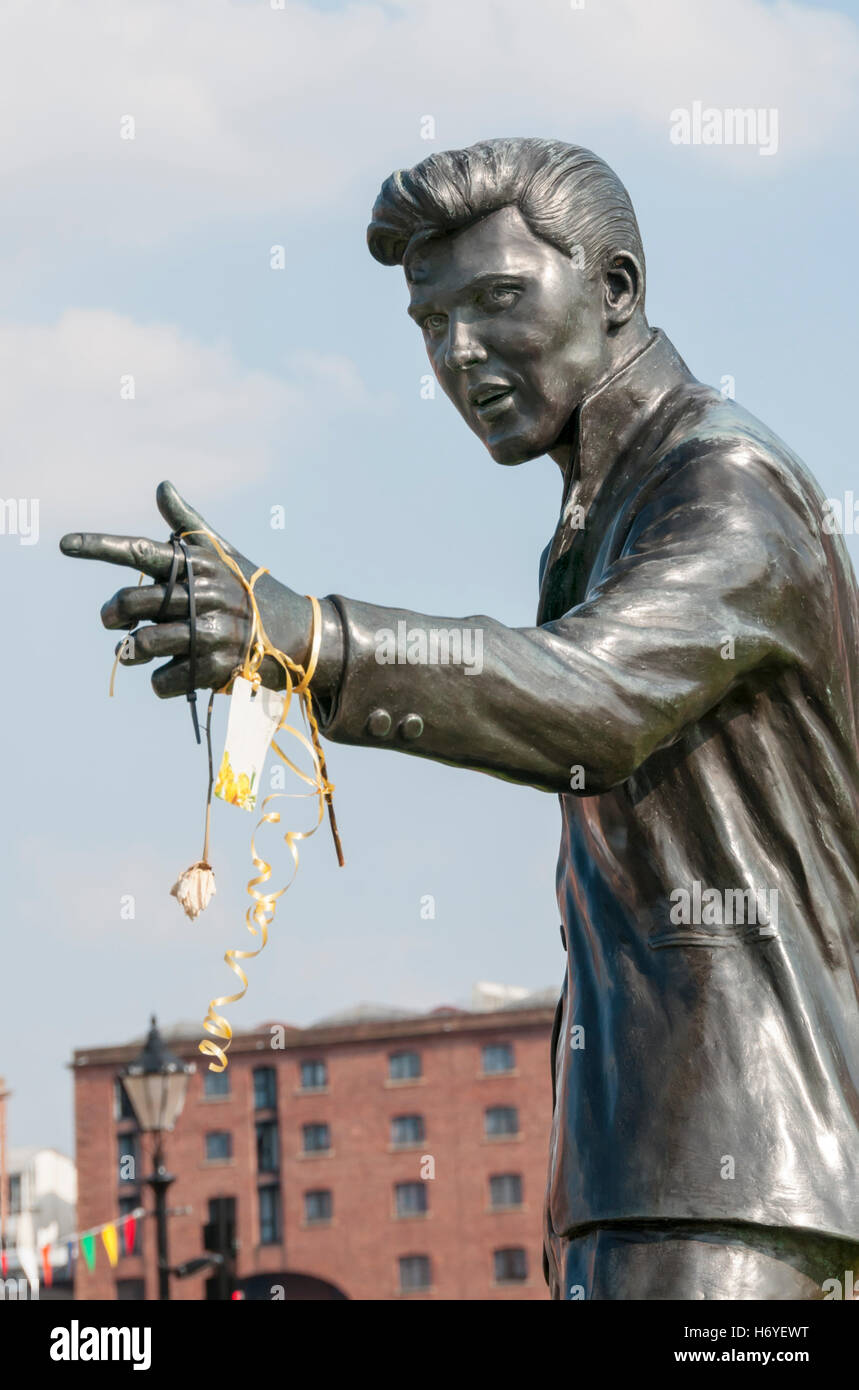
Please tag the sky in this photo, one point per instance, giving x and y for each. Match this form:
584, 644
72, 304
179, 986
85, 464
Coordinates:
258, 125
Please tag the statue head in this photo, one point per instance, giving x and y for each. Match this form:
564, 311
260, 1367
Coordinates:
526, 276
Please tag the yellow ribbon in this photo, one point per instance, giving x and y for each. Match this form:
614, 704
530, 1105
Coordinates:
122, 648
259, 917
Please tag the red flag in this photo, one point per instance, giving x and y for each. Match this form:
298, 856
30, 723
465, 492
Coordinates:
4, 1263
47, 1266
129, 1228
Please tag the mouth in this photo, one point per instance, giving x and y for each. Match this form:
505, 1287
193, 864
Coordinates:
488, 399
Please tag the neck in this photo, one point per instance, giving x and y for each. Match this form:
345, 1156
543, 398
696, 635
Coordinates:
622, 349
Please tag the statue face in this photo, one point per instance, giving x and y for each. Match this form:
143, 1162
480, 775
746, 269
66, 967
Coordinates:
515, 333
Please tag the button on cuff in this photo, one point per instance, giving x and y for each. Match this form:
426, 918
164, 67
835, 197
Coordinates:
379, 724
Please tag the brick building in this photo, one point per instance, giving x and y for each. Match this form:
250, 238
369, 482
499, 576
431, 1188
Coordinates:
367, 1156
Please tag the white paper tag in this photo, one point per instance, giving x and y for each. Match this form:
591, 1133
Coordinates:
252, 721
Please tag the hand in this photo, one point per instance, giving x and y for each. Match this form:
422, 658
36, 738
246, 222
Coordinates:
223, 609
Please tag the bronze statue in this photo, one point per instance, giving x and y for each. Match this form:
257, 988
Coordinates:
690, 692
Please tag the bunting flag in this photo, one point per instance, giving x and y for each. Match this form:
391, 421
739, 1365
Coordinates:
129, 1231
109, 1241
25, 1252
80, 1243
28, 1262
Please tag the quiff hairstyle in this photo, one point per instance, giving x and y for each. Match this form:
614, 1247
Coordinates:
566, 194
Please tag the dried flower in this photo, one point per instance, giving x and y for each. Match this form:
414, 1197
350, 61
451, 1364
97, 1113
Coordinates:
195, 888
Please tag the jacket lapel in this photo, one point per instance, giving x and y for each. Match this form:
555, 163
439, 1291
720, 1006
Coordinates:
610, 418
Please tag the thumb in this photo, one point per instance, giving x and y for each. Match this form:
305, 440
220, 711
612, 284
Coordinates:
181, 516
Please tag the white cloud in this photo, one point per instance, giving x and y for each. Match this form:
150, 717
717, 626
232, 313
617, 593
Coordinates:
333, 377
240, 106
197, 415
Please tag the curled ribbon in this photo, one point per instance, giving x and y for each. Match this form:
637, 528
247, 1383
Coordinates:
122, 648
260, 915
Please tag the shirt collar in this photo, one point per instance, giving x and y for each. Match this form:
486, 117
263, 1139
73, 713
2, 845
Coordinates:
616, 410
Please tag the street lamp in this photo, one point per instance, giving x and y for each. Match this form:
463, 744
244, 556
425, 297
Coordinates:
156, 1083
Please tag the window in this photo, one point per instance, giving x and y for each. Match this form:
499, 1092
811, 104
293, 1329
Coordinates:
505, 1190
318, 1206
411, 1198
128, 1153
265, 1088
122, 1107
497, 1057
501, 1119
414, 1273
130, 1289
219, 1235
269, 1215
404, 1066
127, 1205
511, 1266
407, 1129
268, 1157
219, 1146
222, 1214
15, 1194
216, 1083
314, 1076
316, 1138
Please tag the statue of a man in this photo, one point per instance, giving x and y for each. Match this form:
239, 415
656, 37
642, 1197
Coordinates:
690, 692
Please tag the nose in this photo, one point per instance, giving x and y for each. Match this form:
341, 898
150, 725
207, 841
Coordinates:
463, 347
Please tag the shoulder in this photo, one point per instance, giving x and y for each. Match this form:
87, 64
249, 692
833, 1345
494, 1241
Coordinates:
725, 495
544, 560
714, 453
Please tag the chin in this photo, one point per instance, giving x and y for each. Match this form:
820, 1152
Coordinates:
515, 449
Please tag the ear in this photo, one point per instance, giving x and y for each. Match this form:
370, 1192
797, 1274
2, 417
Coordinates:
623, 281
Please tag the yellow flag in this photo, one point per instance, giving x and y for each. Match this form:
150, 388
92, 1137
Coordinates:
108, 1237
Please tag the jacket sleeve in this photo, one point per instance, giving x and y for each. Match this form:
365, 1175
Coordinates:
720, 573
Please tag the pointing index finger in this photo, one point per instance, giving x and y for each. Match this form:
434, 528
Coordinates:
137, 552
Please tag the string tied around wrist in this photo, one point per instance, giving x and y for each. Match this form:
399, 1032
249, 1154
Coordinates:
297, 682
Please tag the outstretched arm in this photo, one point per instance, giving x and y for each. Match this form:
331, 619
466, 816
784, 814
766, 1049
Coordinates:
720, 574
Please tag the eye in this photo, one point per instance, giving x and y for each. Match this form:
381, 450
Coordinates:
499, 297
434, 323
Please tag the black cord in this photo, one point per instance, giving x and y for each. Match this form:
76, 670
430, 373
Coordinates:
191, 696
171, 582
180, 547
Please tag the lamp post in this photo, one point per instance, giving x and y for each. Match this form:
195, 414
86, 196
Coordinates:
156, 1083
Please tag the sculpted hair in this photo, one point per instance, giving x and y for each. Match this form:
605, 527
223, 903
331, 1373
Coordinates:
567, 195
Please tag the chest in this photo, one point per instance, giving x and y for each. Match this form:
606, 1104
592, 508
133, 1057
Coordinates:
580, 552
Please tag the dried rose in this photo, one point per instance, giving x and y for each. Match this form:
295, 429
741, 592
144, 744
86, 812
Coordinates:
195, 888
